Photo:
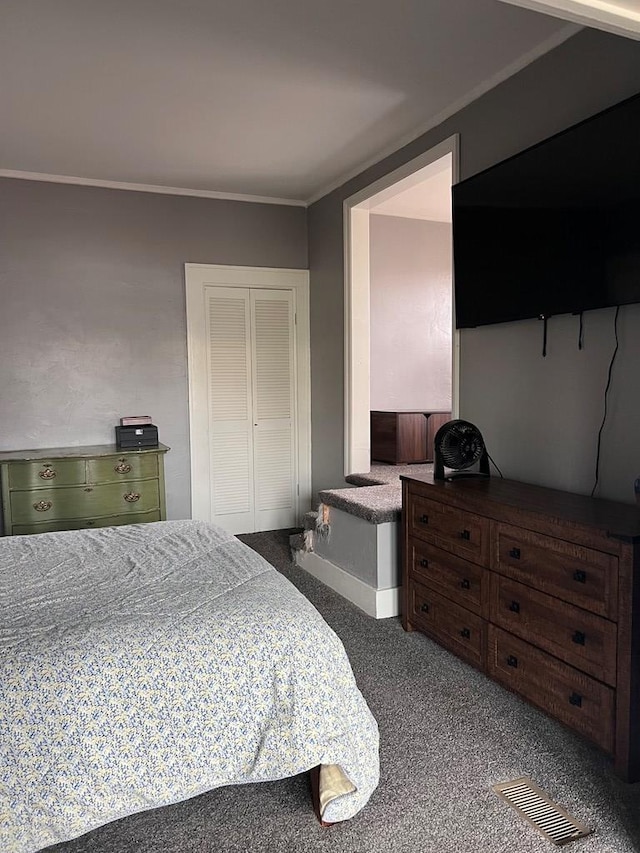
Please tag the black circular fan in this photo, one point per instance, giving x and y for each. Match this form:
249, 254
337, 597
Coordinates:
459, 445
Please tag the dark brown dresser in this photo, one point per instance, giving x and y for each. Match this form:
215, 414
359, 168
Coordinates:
539, 589
405, 436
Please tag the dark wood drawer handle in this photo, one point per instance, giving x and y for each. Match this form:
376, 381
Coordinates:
42, 506
579, 637
424, 563
580, 576
514, 607
514, 553
122, 467
466, 633
575, 699
424, 519
512, 660
464, 583
131, 497
47, 473
464, 534
425, 608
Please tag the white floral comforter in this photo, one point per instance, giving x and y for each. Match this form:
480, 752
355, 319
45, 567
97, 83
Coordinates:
145, 664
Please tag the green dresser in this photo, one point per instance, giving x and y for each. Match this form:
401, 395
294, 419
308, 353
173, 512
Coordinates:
72, 488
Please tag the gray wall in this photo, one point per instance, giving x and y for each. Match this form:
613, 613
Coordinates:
92, 308
539, 417
410, 307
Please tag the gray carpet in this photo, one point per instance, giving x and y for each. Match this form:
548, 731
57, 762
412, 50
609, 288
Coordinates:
447, 734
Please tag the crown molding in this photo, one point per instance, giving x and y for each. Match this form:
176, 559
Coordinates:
146, 188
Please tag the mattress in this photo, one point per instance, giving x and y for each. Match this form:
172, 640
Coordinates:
145, 664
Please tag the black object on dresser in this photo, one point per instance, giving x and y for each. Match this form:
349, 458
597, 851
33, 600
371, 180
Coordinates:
539, 589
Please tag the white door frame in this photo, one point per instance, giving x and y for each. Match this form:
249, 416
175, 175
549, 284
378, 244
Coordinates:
356, 306
199, 276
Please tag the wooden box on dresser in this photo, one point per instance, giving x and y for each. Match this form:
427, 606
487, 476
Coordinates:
71, 488
539, 589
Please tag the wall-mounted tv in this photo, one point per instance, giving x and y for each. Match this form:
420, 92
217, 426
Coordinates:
554, 229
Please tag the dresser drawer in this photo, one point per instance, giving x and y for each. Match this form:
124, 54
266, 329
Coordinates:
454, 627
129, 466
87, 523
84, 502
53, 472
579, 575
456, 579
576, 636
452, 529
562, 691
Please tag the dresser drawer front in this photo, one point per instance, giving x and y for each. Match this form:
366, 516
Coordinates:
454, 627
579, 575
576, 636
456, 579
461, 533
86, 523
46, 505
562, 691
52, 473
128, 466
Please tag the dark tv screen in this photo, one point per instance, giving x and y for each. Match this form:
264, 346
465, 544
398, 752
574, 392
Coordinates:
554, 229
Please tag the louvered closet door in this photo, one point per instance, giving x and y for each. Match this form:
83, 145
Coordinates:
273, 408
230, 407
251, 380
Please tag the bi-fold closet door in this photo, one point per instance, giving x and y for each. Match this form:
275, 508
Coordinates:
249, 396
252, 428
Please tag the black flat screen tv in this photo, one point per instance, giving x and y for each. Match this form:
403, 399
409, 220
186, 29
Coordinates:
554, 229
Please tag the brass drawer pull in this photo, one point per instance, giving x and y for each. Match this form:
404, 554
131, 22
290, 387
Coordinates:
42, 506
122, 467
514, 607
466, 633
514, 553
131, 497
425, 608
512, 660
464, 583
579, 637
580, 576
575, 699
464, 534
47, 473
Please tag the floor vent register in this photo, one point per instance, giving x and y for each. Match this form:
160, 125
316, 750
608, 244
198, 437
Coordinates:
540, 811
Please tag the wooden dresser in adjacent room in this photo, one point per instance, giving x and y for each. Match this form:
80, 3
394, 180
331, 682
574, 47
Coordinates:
71, 488
405, 436
539, 589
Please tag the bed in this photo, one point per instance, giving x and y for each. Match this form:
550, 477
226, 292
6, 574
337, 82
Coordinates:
145, 664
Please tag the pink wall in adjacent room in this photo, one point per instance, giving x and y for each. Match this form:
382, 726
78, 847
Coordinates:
411, 323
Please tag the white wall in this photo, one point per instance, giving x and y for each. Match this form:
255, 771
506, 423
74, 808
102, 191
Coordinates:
410, 305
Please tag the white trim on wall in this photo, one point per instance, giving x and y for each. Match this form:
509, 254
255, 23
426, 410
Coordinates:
197, 276
356, 307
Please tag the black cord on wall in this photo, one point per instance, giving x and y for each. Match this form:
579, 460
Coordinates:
606, 392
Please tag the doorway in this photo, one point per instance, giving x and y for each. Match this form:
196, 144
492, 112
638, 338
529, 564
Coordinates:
357, 211
249, 406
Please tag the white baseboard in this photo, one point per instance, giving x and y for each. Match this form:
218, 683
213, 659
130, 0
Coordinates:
379, 603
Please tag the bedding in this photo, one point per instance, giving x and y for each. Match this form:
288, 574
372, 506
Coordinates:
145, 664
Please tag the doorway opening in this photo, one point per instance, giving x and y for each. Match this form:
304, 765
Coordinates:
423, 185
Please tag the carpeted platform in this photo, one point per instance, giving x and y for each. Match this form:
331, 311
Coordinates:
378, 496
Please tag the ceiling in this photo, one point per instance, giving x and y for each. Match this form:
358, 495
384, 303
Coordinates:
281, 100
